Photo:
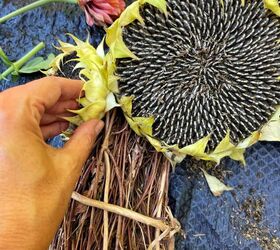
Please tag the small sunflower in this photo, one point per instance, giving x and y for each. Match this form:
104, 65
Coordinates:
193, 77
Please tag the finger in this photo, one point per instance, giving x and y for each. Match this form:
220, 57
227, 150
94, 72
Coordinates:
63, 106
83, 138
50, 118
34, 98
54, 129
54, 88
47, 91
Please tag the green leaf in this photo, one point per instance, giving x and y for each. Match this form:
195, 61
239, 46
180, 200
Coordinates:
4, 58
37, 64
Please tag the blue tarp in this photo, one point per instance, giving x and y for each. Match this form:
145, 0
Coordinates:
247, 218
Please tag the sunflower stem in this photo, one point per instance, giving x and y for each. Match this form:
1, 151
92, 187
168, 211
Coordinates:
33, 6
18, 64
157, 223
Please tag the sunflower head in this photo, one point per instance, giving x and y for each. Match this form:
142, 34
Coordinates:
193, 77
205, 69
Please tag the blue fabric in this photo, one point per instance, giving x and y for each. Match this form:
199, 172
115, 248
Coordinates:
219, 223
209, 222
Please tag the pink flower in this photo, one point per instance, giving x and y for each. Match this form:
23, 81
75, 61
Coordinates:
102, 12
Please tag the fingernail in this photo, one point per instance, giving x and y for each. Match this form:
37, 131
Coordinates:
99, 126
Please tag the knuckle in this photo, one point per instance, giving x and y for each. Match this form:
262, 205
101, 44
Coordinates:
89, 138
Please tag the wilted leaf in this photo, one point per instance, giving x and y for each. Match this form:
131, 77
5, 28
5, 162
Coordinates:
216, 186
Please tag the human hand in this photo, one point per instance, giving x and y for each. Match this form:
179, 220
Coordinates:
36, 180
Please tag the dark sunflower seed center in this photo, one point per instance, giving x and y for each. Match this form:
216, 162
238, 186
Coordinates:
203, 69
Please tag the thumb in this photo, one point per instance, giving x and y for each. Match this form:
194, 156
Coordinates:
82, 141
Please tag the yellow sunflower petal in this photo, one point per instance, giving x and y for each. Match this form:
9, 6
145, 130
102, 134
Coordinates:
160, 4
224, 148
216, 186
272, 5
197, 149
130, 14
271, 130
133, 125
238, 152
238, 155
145, 125
95, 110
111, 102
115, 41
126, 104
84, 101
120, 50
76, 120
156, 144
252, 139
